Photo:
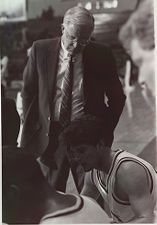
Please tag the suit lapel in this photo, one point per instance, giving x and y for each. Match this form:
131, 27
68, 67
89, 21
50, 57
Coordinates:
51, 66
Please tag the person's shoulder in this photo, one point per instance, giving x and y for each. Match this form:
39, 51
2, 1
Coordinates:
46, 42
100, 45
99, 48
130, 172
128, 165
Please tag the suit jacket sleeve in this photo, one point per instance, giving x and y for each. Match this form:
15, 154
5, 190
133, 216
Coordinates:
30, 78
114, 93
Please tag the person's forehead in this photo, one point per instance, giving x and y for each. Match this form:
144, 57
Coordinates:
79, 31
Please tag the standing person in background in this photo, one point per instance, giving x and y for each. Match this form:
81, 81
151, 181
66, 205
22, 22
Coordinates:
137, 37
51, 99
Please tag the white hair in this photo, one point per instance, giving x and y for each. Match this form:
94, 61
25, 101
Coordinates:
79, 16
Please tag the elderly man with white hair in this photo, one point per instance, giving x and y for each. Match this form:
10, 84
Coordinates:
64, 79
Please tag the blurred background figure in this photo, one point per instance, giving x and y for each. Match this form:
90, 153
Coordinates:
128, 87
137, 37
20, 112
24, 38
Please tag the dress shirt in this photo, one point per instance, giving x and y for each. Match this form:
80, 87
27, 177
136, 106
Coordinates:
77, 91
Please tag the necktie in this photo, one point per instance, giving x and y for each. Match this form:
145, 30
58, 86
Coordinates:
65, 110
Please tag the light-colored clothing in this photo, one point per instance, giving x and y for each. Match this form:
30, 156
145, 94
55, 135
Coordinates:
77, 91
121, 211
86, 210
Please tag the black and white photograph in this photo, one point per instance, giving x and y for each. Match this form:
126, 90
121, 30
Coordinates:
78, 111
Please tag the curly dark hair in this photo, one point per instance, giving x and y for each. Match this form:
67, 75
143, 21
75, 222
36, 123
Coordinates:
86, 130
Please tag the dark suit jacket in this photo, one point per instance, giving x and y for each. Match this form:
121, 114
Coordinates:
100, 78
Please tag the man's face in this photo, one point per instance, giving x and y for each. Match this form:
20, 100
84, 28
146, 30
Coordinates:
86, 155
75, 37
144, 59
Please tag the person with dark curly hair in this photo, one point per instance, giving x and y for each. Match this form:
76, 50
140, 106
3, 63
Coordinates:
126, 182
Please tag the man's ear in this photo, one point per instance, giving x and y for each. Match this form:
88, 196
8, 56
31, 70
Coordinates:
62, 27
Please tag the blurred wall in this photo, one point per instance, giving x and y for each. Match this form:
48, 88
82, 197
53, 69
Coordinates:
35, 7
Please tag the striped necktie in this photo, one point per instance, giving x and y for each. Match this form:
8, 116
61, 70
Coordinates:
66, 104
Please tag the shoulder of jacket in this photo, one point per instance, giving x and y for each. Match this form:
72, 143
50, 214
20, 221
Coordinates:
100, 48
45, 42
101, 45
